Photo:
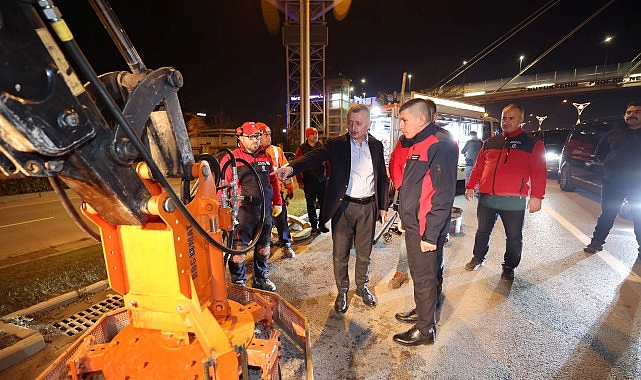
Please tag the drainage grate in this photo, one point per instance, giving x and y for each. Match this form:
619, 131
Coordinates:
81, 321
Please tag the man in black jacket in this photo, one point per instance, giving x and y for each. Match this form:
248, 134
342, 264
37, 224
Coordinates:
312, 181
619, 151
356, 194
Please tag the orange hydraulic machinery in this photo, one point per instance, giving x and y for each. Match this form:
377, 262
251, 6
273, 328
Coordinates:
181, 323
115, 140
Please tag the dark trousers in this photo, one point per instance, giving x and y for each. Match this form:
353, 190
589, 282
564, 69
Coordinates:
282, 226
248, 218
353, 223
425, 268
513, 221
612, 195
314, 190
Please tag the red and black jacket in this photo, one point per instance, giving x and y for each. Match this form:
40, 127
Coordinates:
429, 182
510, 164
263, 164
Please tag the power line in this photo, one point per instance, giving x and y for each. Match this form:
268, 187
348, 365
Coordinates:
496, 43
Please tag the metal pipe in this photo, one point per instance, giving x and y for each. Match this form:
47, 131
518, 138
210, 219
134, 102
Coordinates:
118, 35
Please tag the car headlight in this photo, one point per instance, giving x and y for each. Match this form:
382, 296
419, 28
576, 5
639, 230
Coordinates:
551, 156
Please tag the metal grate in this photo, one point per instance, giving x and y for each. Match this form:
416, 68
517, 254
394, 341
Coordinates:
81, 321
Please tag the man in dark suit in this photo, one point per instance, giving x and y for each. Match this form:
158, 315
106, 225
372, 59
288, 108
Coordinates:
355, 196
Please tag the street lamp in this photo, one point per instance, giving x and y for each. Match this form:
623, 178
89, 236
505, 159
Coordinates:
521, 62
606, 42
540, 119
409, 85
579, 109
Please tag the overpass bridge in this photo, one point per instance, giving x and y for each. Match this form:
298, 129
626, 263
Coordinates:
557, 83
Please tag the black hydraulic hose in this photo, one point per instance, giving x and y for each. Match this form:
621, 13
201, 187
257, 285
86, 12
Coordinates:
187, 193
65, 36
261, 222
66, 203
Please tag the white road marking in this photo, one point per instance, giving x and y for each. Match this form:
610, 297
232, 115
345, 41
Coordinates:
568, 226
26, 222
614, 263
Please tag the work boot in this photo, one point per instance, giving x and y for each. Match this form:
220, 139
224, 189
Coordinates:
593, 248
474, 264
263, 284
288, 251
508, 273
399, 279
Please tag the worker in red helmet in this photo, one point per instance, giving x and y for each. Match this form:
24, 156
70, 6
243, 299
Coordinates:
249, 150
279, 159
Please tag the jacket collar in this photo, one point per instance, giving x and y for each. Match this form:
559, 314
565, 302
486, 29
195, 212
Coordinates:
424, 133
516, 132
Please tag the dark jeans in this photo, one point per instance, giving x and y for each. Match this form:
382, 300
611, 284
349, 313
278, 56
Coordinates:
612, 195
314, 190
282, 226
248, 217
513, 221
353, 223
425, 268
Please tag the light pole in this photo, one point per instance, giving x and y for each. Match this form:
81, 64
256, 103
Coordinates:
606, 42
363, 81
579, 109
409, 85
540, 119
521, 63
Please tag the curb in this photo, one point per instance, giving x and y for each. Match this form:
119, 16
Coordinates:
31, 341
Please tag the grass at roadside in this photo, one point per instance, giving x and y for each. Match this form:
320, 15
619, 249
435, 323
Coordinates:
26, 284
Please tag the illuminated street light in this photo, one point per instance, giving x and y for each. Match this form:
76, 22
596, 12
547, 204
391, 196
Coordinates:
606, 43
540, 119
409, 86
201, 114
579, 109
521, 62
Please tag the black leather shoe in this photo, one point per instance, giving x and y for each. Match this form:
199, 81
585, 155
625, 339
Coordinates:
407, 316
593, 248
368, 298
340, 305
323, 229
413, 337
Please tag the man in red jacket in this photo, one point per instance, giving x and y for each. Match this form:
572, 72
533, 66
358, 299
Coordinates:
426, 198
509, 168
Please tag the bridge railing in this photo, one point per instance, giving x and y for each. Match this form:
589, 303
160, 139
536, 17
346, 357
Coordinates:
613, 72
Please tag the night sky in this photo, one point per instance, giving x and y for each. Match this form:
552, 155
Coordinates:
232, 64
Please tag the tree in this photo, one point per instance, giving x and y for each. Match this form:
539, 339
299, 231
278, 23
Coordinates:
195, 125
221, 120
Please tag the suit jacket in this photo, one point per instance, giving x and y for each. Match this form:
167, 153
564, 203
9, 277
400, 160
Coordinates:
337, 151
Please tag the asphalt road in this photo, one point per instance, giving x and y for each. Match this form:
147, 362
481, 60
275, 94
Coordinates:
567, 315
38, 222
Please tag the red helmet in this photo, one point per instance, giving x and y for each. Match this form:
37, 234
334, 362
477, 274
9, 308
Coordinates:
248, 128
264, 128
310, 131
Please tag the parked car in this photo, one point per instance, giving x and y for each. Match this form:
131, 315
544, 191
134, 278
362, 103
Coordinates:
578, 166
553, 139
